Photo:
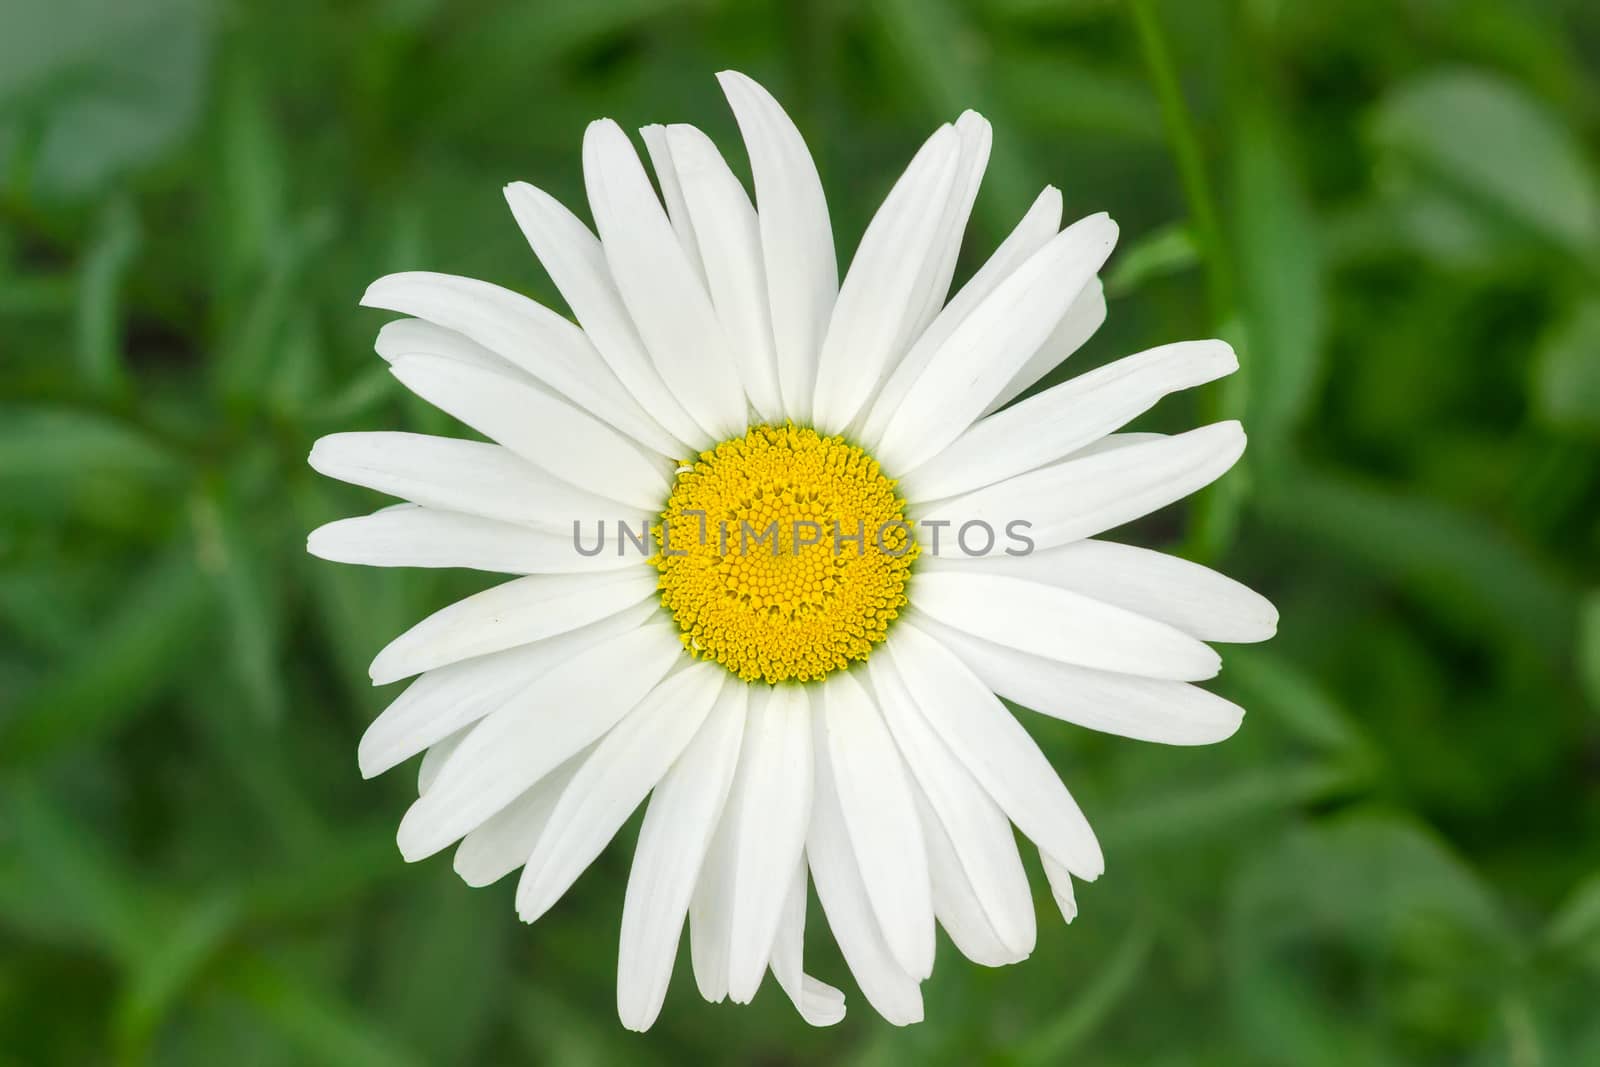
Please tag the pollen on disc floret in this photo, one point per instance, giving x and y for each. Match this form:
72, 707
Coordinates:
783, 554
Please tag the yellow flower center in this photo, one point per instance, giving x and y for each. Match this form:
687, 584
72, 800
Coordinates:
783, 554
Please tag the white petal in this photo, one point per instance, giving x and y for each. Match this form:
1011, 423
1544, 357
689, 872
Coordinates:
1146, 709
542, 429
559, 713
1035, 230
775, 805
433, 759
1060, 880
976, 139
1063, 419
729, 236
577, 264
995, 749
1118, 479
505, 840
1062, 625
1086, 315
512, 613
880, 302
894, 994
796, 237
677, 830
880, 815
627, 763
1185, 595
983, 353
526, 334
659, 147
659, 285
415, 337
472, 477
971, 824
956, 903
818, 1003
460, 694
409, 535
711, 907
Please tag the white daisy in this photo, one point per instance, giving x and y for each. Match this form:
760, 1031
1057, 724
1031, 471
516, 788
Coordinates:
813, 707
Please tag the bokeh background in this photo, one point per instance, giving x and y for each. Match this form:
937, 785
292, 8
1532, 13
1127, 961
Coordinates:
1391, 208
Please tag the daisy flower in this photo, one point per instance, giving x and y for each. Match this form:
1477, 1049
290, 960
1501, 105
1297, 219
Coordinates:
783, 544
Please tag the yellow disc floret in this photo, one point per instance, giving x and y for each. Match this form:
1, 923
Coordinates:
783, 554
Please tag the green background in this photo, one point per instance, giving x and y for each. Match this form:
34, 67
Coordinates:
1391, 210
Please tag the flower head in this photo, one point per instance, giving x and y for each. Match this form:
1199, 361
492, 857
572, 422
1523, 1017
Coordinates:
822, 543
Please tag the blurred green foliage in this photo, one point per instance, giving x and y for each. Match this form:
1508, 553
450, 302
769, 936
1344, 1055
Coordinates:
1390, 207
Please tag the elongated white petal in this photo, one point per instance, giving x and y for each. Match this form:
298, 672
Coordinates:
940, 265
1060, 880
505, 840
417, 337
994, 748
659, 147
577, 264
818, 1003
1195, 599
510, 614
1118, 479
410, 535
433, 759
796, 237
1086, 315
775, 805
880, 302
971, 824
453, 697
729, 236
677, 831
553, 717
472, 477
542, 429
627, 763
880, 815
1035, 230
711, 906
1146, 709
983, 353
1061, 420
526, 334
893, 993
660, 287
956, 903
1059, 624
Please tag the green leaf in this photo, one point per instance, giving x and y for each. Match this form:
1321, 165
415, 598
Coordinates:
1281, 282
1575, 929
1105, 991
159, 977
1163, 251
1270, 684
325, 1028
1362, 937
156, 626
1566, 383
50, 448
90, 88
1487, 140
241, 564
74, 887
1589, 647
1459, 560
99, 298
